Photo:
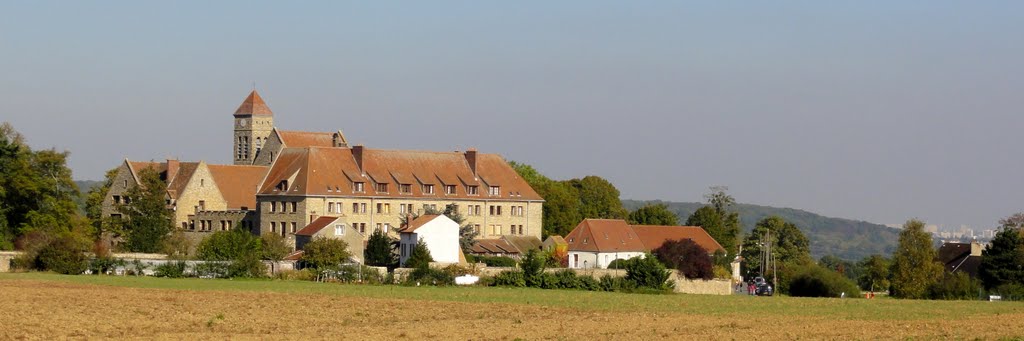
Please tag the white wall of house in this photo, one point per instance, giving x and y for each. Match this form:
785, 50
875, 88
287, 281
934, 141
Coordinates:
589, 259
441, 236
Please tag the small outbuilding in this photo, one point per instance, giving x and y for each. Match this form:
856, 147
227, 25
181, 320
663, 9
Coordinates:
438, 232
331, 227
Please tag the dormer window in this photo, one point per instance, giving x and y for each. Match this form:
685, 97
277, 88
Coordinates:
428, 189
449, 189
405, 188
282, 186
358, 187
495, 191
382, 188
471, 190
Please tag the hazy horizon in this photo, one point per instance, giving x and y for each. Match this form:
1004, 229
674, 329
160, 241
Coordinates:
871, 111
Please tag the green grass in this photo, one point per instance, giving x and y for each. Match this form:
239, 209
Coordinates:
857, 309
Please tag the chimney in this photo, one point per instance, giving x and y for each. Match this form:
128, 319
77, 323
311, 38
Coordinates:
172, 169
976, 248
357, 152
471, 159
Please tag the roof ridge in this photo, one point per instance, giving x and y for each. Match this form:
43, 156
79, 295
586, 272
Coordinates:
253, 105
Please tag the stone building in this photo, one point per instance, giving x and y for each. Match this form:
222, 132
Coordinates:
375, 188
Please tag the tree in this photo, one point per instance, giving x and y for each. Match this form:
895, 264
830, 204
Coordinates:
325, 253
274, 247
876, 273
420, 257
598, 198
229, 245
914, 268
718, 218
148, 219
789, 247
1003, 261
686, 256
647, 272
94, 206
561, 203
378, 250
653, 214
65, 255
533, 265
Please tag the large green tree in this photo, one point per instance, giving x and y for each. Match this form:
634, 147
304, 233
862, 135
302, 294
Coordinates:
653, 214
229, 245
94, 206
148, 221
325, 253
875, 274
561, 203
914, 268
379, 250
719, 219
1003, 261
598, 198
789, 247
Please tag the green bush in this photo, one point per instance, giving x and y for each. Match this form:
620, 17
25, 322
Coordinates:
325, 253
247, 266
815, 281
1009, 292
228, 245
589, 283
533, 268
957, 286
211, 270
647, 272
425, 275
65, 255
420, 256
171, 269
103, 265
618, 264
607, 283
513, 278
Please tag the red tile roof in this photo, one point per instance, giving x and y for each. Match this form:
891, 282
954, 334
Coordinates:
238, 183
654, 236
315, 226
418, 222
332, 172
493, 246
176, 184
604, 235
301, 139
613, 235
253, 105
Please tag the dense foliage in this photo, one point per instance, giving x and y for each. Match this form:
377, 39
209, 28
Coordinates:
647, 272
914, 268
788, 245
719, 219
689, 258
653, 214
955, 286
1003, 261
420, 256
568, 202
379, 251
228, 245
65, 255
875, 273
325, 253
816, 281
147, 219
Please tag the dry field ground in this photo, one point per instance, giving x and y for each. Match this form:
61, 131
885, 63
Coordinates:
46, 306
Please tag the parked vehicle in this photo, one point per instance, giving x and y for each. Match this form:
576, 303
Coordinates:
762, 287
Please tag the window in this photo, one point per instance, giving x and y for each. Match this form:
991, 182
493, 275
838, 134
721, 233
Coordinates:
476, 228
428, 189
382, 188
471, 190
520, 229
512, 229
295, 206
339, 230
429, 207
405, 188
117, 199
284, 229
202, 182
362, 228
273, 206
380, 227
124, 183
282, 186
495, 210
449, 189
273, 227
387, 227
358, 187
330, 207
494, 191
202, 205
294, 227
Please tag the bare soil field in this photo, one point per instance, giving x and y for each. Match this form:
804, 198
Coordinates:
43, 307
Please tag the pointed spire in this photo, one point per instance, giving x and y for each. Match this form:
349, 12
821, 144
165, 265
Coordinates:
253, 105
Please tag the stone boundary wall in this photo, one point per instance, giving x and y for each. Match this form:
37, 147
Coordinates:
5, 260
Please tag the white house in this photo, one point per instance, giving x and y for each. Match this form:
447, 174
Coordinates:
438, 232
595, 243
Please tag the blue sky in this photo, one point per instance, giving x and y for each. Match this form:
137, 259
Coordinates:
865, 110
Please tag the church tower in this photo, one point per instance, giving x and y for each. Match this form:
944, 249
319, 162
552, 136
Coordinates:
253, 123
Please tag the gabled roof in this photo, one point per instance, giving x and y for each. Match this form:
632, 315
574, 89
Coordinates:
136, 166
613, 235
604, 235
419, 222
317, 168
654, 236
315, 226
555, 240
238, 183
302, 139
484, 246
176, 184
524, 243
253, 105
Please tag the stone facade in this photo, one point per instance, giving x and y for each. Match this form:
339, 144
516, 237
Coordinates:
123, 181
271, 148
199, 193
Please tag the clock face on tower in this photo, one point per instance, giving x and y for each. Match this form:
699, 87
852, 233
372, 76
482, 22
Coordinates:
242, 122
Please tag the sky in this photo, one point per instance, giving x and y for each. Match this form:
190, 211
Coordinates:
870, 110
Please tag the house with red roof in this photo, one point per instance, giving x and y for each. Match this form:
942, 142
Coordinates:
332, 227
595, 243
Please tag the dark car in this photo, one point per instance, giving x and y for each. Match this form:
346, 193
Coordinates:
762, 287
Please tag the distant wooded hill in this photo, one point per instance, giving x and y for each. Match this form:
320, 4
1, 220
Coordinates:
844, 238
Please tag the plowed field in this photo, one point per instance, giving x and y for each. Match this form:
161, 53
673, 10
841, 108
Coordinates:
42, 306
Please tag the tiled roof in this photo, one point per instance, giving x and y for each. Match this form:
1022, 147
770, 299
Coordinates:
418, 222
491, 246
524, 243
316, 226
949, 252
238, 183
556, 240
654, 236
176, 184
137, 166
301, 139
604, 235
613, 235
332, 172
253, 105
